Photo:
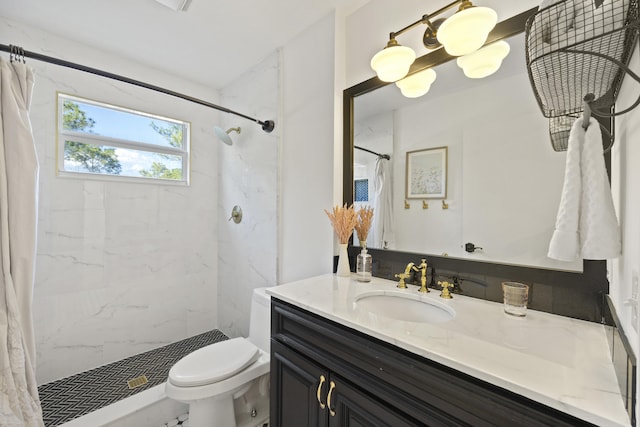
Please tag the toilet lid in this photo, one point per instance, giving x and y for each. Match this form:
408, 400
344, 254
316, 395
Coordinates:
214, 363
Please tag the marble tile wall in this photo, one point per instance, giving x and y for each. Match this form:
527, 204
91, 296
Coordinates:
283, 180
248, 177
121, 267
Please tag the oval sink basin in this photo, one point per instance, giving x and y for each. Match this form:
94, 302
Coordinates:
405, 307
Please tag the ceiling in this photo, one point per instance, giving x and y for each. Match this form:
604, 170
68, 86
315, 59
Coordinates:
211, 43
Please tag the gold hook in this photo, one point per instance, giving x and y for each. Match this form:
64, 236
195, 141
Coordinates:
406, 204
445, 205
425, 205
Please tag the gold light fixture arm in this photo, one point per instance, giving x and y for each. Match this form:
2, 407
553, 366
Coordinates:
426, 19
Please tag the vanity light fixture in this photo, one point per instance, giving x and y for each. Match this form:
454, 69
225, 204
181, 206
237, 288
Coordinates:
392, 63
484, 61
417, 84
461, 34
467, 30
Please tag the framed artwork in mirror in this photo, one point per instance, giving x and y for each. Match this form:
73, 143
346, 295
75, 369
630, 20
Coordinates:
426, 174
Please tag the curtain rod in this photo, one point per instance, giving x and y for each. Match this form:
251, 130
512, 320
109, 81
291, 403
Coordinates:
384, 156
17, 52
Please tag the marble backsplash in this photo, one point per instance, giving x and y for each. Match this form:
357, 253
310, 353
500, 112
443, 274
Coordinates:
566, 293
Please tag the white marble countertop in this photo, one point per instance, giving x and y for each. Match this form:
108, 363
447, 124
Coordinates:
561, 362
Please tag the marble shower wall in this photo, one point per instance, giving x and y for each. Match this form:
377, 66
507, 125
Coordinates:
121, 267
248, 177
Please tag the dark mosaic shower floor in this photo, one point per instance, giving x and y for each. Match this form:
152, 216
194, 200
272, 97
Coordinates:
77, 395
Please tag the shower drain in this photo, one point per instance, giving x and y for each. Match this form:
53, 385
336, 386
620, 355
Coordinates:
137, 382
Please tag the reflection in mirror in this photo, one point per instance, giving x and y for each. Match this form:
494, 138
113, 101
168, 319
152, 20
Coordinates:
503, 178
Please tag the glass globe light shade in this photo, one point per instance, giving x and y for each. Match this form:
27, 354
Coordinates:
485, 61
393, 62
467, 30
417, 84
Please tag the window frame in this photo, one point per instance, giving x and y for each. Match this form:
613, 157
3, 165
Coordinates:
355, 191
62, 135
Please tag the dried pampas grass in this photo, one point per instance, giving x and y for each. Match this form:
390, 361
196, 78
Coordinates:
365, 217
344, 220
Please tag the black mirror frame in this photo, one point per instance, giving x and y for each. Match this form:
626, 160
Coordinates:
593, 278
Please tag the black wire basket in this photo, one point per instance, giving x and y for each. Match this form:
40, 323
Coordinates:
575, 47
559, 130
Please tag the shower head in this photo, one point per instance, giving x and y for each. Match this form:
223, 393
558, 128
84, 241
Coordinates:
224, 135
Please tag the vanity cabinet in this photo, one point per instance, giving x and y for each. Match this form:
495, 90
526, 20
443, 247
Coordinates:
315, 397
326, 374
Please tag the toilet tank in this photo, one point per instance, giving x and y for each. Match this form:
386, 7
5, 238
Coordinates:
260, 323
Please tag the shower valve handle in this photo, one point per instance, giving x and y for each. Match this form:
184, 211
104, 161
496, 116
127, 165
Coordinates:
236, 214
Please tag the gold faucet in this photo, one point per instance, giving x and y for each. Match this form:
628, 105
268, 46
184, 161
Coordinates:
405, 275
423, 279
445, 290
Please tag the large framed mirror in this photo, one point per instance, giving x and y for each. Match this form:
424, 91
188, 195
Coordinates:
504, 181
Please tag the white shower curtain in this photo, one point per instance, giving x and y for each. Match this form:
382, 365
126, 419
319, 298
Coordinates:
383, 236
19, 402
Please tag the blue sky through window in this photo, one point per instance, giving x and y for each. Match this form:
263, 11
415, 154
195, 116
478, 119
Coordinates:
125, 125
129, 126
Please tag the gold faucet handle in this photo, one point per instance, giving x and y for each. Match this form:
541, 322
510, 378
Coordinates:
401, 283
445, 289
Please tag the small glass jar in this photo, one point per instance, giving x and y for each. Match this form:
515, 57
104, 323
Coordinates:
363, 266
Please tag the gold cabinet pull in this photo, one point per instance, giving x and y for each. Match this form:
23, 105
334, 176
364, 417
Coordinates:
332, 385
322, 380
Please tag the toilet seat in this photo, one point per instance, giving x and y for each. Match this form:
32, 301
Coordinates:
214, 363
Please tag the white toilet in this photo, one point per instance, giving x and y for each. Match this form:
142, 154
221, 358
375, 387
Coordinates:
226, 384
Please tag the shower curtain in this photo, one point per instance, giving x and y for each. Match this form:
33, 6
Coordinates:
19, 401
383, 236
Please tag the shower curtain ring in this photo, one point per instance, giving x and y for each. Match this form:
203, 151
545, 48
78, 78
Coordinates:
16, 53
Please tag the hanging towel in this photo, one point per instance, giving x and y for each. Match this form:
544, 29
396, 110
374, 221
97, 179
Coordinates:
383, 234
586, 226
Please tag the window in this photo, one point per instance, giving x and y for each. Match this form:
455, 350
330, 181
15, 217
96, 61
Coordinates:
361, 190
103, 140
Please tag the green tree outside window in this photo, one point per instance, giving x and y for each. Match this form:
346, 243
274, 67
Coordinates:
92, 158
173, 135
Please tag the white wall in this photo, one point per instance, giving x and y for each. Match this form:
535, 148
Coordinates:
121, 267
283, 180
625, 177
248, 177
306, 173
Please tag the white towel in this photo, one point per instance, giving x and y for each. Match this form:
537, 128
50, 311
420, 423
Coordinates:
586, 226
